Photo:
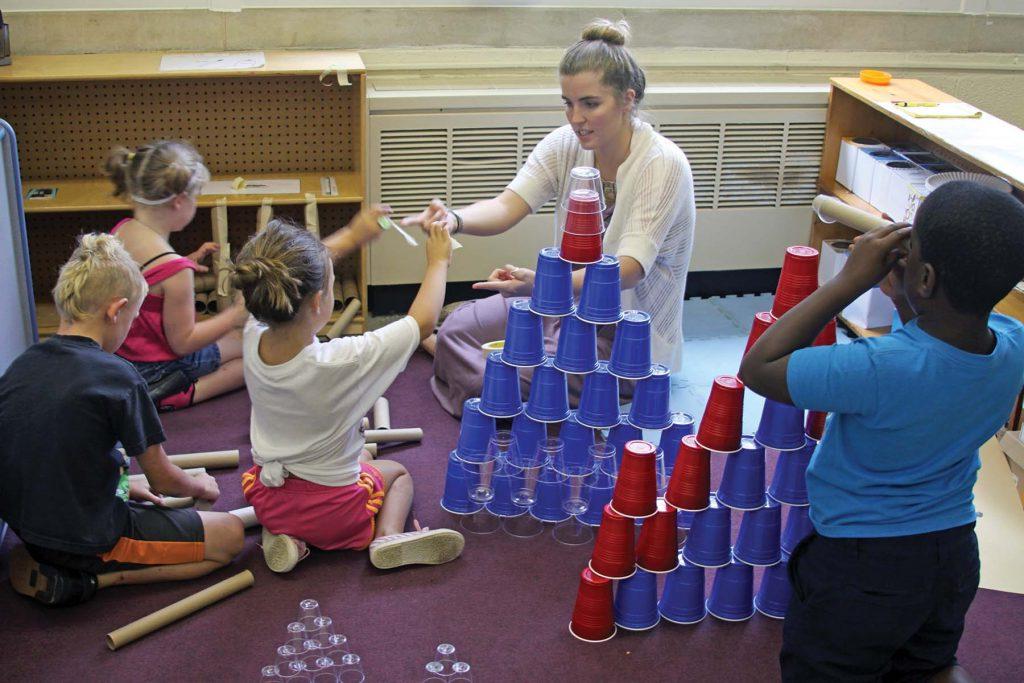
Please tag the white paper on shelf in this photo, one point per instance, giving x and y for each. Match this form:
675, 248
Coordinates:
254, 186
213, 61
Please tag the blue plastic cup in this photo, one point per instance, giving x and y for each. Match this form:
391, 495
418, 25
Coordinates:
599, 400
798, 527
475, 431
772, 599
682, 425
577, 347
631, 349
505, 480
552, 285
601, 296
454, 499
742, 486
549, 394
524, 336
732, 593
500, 396
620, 435
781, 426
603, 484
577, 439
707, 544
528, 433
684, 520
636, 601
682, 598
548, 506
789, 482
757, 543
650, 401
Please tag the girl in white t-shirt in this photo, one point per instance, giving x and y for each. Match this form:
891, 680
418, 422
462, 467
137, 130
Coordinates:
312, 482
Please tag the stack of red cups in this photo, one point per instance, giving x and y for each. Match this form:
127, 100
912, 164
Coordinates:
583, 213
722, 423
798, 280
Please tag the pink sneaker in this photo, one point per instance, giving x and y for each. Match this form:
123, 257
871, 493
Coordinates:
178, 401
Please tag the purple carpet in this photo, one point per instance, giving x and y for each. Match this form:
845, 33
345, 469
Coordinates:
505, 604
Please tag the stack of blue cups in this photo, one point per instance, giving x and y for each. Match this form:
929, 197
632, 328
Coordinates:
742, 486
549, 394
798, 527
578, 439
732, 593
599, 400
772, 599
601, 296
500, 396
454, 499
707, 544
682, 425
552, 285
475, 431
789, 482
682, 598
781, 426
577, 347
524, 336
528, 433
757, 543
631, 349
636, 601
505, 480
550, 487
650, 408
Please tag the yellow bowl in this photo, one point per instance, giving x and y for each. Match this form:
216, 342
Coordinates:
492, 346
875, 77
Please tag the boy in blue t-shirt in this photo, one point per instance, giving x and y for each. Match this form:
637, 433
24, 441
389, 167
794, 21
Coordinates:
881, 589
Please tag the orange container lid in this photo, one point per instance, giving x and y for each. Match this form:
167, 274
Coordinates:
875, 77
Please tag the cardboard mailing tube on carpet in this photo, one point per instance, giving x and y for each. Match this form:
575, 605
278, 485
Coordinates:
173, 502
393, 435
247, 515
179, 610
371, 448
381, 414
351, 309
211, 459
192, 471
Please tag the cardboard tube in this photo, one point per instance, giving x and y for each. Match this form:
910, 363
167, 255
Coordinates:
831, 210
202, 303
349, 288
212, 304
192, 471
205, 282
212, 459
312, 216
371, 448
179, 610
364, 424
381, 414
393, 435
344, 319
175, 503
264, 214
339, 299
247, 515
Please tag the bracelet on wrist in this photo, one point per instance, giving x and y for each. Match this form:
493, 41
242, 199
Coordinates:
458, 222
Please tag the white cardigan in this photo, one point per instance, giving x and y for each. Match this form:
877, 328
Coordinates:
653, 220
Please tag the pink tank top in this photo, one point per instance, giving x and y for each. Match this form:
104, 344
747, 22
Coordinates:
146, 341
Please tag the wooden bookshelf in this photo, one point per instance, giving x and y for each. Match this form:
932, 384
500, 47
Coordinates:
278, 121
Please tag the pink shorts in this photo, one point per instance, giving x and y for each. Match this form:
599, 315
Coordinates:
326, 517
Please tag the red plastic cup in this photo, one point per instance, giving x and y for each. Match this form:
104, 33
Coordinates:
636, 489
722, 423
762, 321
827, 337
690, 486
584, 223
584, 201
580, 248
593, 616
798, 280
657, 550
815, 425
614, 555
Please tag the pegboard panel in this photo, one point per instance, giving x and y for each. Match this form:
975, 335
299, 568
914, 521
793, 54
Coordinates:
273, 124
53, 236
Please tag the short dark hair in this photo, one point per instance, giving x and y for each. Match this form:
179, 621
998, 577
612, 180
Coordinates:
973, 236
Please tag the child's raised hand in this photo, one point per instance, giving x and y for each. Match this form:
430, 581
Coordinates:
364, 227
509, 281
873, 257
439, 244
201, 253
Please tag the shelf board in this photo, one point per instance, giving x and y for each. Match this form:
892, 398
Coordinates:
93, 194
865, 331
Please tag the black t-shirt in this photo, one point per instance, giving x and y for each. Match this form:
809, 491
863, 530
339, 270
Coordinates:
64, 405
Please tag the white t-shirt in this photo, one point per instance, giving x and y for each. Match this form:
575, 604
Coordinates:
653, 221
306, 411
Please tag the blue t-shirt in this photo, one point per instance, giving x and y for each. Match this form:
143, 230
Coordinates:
900, 453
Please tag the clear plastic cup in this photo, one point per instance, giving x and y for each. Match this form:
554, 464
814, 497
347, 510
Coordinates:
350, 669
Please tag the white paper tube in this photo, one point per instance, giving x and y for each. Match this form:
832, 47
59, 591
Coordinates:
175, 503
364, 424
247, 515
349, 288
179, 610
205, 282
202, 302
381, 414
831, 210
192, 471
211, 459
371, 448
393, 435
344, 319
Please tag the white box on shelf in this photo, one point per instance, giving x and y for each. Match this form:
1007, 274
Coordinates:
902, 194
833, 256
863, 173
880, 178
870, 309
849, 153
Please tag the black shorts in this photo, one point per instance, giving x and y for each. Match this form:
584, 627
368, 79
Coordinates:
152, 536
878, 608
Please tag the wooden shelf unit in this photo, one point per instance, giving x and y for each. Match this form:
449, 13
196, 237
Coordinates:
278, 121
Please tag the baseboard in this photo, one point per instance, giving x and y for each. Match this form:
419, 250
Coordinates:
390, 299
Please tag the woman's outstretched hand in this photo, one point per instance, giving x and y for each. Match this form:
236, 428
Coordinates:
435, 211
509, 281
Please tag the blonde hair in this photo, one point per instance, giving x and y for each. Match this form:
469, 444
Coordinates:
157, 172
278, 268
602, 48
98, 271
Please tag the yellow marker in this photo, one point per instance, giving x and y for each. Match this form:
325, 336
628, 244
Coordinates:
238, 183
902, 103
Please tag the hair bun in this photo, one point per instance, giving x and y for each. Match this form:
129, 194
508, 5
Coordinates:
611, 32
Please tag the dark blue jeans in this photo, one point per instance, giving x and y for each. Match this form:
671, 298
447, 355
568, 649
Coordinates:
869, 609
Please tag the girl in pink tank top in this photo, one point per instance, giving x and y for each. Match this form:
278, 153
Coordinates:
183, 360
